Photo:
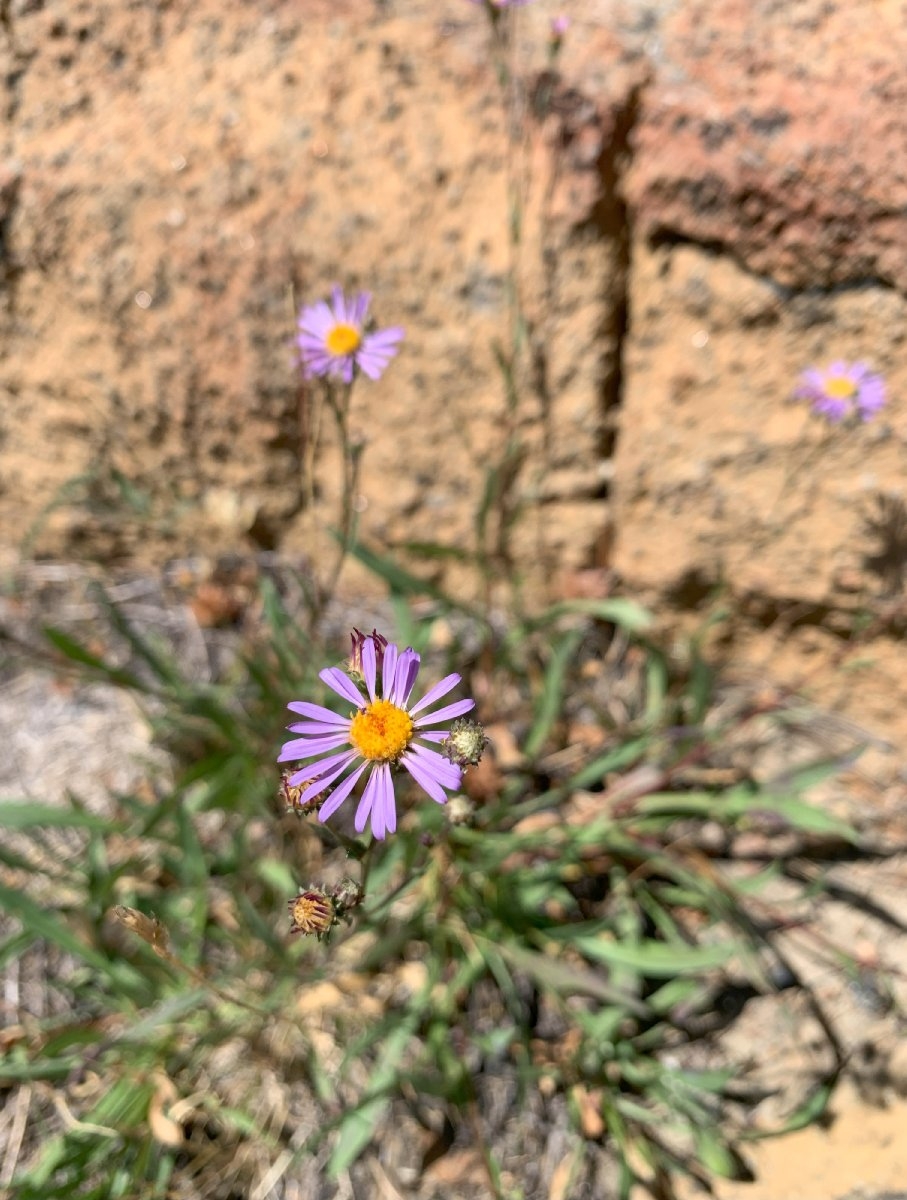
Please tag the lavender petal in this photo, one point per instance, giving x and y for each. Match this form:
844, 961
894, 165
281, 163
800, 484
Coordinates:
338, 681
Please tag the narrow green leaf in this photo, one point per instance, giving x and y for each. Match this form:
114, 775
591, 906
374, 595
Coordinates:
655, 959
814, 773
79, 654
687, 804
435, 550
627, 614
675, 991
171, 1010
400, 581
615, 759
565, 979
704, 1081
715, 1155
124, 1105
12, 947
277, 875
357, 1127
16, 814
808, 818
550, 703
43, 922
657, 682
701, 690
162, 664
737, 803
15, 1070
807, 1113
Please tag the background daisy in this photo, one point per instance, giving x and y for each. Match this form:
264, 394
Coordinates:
333, 341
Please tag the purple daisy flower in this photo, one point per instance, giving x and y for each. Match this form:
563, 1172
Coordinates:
383, 733
842, 390
332, 339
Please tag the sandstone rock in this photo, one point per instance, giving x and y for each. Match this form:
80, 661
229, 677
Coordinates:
774, 134
769, 208
184, 176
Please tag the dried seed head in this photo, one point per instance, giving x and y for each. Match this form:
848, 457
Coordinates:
313, 912
459, 810
148, 927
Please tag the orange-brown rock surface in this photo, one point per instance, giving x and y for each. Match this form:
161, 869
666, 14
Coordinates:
715, 197
179, 178
768, 193
774, 134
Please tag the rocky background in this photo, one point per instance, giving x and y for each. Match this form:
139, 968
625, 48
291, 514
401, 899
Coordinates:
715, 199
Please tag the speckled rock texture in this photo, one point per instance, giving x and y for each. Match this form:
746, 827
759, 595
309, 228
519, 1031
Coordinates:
774, 133
178, 179
715, 197
768, 199
767, 203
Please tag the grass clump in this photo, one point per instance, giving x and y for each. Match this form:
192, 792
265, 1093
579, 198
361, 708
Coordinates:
529, 973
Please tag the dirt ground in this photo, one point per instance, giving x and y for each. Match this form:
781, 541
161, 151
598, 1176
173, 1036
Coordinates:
858, 1151
861, 1154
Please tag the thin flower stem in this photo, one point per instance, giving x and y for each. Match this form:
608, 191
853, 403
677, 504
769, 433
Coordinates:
339, 841
311, 408
338, 398
813, 453
153, 932
505, 55
500, 502
365, 865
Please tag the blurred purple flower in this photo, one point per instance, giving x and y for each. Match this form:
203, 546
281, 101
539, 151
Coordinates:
332, 338
383, 733
842, 390
559, 26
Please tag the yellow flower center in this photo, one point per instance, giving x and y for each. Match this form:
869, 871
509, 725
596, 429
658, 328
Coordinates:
343, 339
381, 731
840, 387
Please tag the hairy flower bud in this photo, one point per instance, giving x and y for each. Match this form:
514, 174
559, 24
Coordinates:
290, 794
465, 743
346, 894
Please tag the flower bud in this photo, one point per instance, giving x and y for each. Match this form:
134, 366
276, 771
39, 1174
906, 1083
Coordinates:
358, 639
465, 743
346, 894
558, 27
290, 794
